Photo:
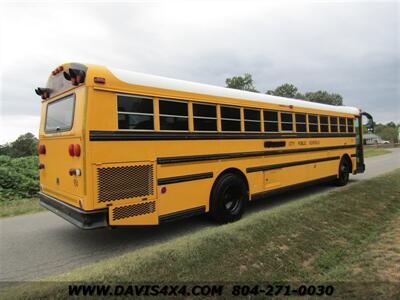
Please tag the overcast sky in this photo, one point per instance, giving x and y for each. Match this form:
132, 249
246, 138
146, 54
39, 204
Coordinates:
351, 48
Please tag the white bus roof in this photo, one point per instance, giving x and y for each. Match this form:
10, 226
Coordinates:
212, 90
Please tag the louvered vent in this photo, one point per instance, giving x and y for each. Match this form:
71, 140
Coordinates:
129, 211
116, 183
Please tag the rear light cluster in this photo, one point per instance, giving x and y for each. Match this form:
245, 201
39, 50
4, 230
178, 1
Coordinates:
41, 149
58, 70
74, 150
43, 92
75, 76
75, 172
100, 80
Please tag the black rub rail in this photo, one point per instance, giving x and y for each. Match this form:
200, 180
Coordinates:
290, 164
191, 158
150, 136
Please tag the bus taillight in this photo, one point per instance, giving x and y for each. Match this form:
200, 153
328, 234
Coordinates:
43, 92
71, 150
75, 172
75, 76
77, 150
74, 150
41, 149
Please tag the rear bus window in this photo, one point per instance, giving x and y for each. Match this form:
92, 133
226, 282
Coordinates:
204, 117
230, 118
173, 115
60, 114
135, 112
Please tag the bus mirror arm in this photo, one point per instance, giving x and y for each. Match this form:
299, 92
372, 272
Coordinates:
370, 123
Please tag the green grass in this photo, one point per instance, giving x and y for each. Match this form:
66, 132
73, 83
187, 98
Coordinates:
19, 207
317, 239
369, 152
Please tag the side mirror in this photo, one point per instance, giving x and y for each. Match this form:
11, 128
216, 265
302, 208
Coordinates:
370, 121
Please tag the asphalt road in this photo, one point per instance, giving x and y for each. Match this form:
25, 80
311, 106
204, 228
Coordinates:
42, 244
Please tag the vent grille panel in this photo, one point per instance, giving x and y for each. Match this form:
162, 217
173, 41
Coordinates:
115, 183
129, 211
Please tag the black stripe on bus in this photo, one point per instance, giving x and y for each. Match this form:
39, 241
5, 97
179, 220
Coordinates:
264, 194
184, 178
290, 164
182, 214
354, 155
152, 135
180, 159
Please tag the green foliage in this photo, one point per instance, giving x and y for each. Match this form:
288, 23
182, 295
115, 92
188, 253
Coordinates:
19, 177
286, 90
24, 145
241, 83
388, 132
324, 97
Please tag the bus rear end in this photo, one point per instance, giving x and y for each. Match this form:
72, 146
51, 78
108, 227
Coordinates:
62, 149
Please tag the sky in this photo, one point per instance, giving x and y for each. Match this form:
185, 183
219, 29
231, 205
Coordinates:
346, 47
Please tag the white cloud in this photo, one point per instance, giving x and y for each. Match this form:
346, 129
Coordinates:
15, 125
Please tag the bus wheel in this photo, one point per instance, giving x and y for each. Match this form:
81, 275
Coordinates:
344, 172
228, 198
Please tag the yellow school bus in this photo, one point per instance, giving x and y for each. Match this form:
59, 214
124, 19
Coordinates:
124, 148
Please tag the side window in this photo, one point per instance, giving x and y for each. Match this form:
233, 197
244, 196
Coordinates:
135, 112
312, 123
350, 125
334, 124
230, 118
323, 120
343, 126
252, 121
173, 115
204, 117
301, 125
286, 121
270, 121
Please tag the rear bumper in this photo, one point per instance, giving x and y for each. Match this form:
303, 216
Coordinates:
80, 218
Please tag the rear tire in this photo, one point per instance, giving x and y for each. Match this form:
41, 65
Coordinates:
228, 198
344, 172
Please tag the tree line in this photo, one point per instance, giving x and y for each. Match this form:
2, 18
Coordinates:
287, 90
